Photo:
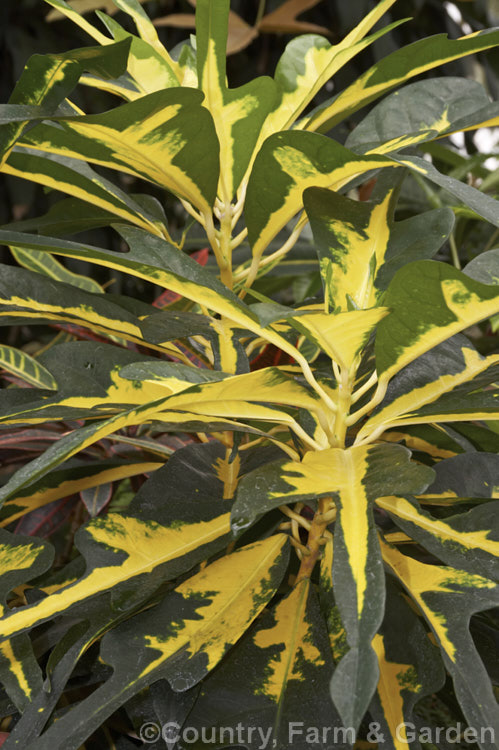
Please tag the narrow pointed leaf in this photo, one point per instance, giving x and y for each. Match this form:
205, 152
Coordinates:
431, 388
156, 261
154, 542
50, 266
360, 247
398, 67
354, 477
440, 105
309, 61
26, 368
468, 540
447, 598
68, 481
287, 666
238, 113
149, 66
410, 668
77, 179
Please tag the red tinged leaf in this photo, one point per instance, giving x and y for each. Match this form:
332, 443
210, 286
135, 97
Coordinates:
167, 298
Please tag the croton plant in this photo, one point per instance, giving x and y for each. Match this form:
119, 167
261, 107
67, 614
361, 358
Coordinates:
324, 549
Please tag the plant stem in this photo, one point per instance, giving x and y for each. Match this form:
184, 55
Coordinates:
315, 539
454, 251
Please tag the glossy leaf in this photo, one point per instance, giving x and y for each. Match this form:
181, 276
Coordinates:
67, 481
395, 69
410, 668
287, 666
78, 179
445, 384
149, 65
155, 260
238, 113
285, 166
468, 540
31, 296
353, 478
26, 368
206, 619
447, 598
360, 247
309, 61
165, 137
48, 79
440, 106
154, 542
430, 302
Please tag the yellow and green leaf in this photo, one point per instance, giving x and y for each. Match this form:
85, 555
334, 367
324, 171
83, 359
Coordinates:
287, 664
285, 166
25, 367
48, 79
66, 482
50, 266
354, 478
410, 668
423, 111
397, 68
445, 384
447, 597
309, 61
360, 246
78, 180
204, 617
166, 137
429, 303
124, 551
238, 113
468, 540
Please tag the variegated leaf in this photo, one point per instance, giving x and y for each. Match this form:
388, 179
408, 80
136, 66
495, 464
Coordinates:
238, 113
285, 166
309, 61
395, 69
77, 179
424, 110
360, 247
25, 295
154, 541
410, 668
156, 261
48, 79
26, 368
430, 302
447, 598
469, 540
354, 478
209, 612
287, 664
444, 384
68, 481
166, 137
149, 65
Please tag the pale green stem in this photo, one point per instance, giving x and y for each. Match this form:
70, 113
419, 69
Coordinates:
454, 251
364, 388
376, 399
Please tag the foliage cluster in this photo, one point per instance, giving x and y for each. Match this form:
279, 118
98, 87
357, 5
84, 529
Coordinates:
305, 448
